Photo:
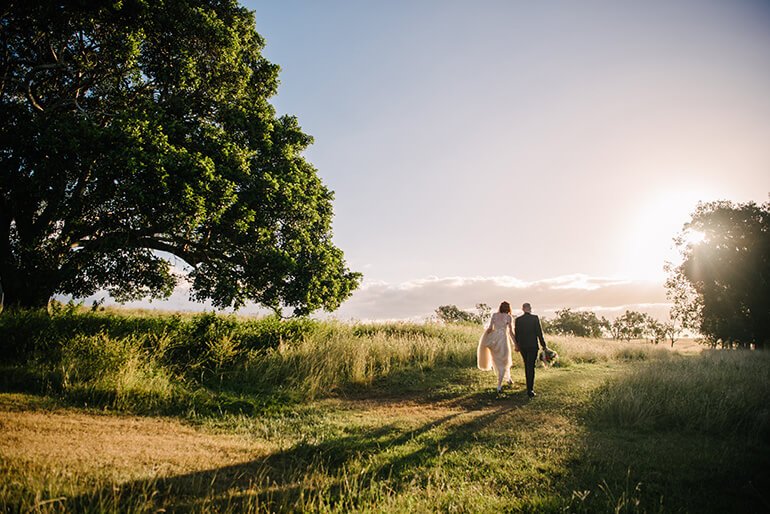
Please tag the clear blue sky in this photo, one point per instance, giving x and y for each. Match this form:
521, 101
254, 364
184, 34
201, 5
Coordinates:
522, 149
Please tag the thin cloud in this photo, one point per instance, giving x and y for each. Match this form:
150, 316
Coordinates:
420, 297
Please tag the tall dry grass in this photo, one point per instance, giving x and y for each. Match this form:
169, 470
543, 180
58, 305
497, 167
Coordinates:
574, 350
719, 392
29, 489
342, 355
206, 363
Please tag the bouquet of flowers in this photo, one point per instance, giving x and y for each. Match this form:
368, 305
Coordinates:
548, 357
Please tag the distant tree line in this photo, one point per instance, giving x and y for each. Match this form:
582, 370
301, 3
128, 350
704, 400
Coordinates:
630, 325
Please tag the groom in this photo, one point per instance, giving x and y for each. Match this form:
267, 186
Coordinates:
526, 336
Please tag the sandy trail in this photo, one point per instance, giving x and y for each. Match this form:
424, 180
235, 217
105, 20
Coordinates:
115, 446
130, 447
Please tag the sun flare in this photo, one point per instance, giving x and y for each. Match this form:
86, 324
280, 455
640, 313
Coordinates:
651, 234
693, 237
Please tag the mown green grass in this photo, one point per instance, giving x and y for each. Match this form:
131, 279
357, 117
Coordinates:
395, 418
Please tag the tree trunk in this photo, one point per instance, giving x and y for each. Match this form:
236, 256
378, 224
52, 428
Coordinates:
25, 282
25, 297
25, 289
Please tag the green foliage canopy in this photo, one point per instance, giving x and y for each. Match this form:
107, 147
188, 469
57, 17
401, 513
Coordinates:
722, 287
137, 127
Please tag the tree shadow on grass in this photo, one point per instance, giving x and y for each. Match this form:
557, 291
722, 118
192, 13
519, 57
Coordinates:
622, 466
285, 479
448, 387
626, 470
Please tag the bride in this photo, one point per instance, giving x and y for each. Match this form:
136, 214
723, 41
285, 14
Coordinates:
494, 351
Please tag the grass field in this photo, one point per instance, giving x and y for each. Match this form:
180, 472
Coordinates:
328, 417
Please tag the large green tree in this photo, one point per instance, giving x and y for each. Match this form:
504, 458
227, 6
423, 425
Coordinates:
134, 128
722, 287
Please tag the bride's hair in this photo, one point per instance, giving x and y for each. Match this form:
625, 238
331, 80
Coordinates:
505, 307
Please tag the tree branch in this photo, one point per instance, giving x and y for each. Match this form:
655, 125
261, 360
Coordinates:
33, 71
191, 252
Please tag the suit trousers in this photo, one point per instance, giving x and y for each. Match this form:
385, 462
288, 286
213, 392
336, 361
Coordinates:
530, 358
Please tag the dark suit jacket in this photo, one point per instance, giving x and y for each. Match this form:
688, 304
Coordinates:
527, 332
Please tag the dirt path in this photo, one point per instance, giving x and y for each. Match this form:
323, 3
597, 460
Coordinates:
112, 446
124, 447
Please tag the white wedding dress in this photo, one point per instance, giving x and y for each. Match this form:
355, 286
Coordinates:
494, 351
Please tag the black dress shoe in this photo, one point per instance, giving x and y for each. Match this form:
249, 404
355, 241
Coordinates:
531, 394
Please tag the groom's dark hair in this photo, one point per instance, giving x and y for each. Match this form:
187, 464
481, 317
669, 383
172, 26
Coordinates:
526, 306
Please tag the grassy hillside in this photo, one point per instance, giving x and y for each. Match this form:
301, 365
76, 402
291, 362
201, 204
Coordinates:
106, 412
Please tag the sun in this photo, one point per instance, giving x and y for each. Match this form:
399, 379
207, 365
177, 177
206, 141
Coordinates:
651, 231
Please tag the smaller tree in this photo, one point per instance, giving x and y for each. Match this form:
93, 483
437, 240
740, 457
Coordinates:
579, 324
608, 327
484, 311
672, 331
617, 329
656, 330
453, 314
631, 325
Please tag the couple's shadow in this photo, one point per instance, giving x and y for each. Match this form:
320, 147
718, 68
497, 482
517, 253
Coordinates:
506, 400
278, 481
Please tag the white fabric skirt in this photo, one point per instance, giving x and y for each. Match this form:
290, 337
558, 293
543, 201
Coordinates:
494, 351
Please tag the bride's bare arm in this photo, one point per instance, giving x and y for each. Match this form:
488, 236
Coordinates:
489, 327
513, 338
